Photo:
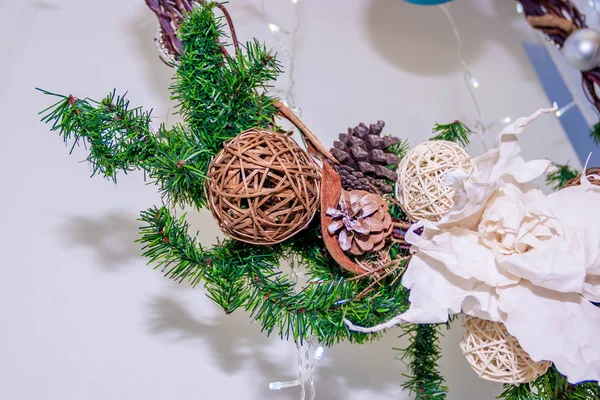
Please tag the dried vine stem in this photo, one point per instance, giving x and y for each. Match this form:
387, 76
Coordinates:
545, 15
384, 267
170, 14
317, 146
551, 22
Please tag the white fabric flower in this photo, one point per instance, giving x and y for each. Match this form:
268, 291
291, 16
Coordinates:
507, 252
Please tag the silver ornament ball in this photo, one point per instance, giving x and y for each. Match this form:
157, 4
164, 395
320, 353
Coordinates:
582, 49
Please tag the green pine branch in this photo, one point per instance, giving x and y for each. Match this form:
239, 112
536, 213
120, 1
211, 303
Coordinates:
595, 134
400, 149
119, 138
561, 176
239, 275
552, 386
422, 355
220, 97
454, 132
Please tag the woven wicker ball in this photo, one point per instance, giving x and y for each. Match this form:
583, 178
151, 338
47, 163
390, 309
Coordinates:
262, 187
496, 355
421, 174
591, 174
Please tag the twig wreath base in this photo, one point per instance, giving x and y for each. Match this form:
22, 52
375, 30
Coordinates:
592, 174
496, 355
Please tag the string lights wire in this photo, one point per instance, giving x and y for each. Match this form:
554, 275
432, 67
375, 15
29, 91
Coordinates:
481, 126
306, 363
471, 82
307, 359
289, 97
552, 46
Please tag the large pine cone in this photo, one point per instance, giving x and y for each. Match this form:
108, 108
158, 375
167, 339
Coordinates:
364, 158
361, 221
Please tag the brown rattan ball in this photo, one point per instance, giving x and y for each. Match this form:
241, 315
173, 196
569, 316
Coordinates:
591, 173
262, 187
496, 355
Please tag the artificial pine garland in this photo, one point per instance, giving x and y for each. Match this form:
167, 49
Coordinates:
236, 275
221, 93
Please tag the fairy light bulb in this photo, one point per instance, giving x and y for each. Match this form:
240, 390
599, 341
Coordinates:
519, 8
284, 385
318, 353
294, 1
561, 111
505, 121
474, 82
274, 28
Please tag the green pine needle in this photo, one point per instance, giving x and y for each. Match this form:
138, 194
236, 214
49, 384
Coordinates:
400, 149
595, 134
422, 355
119, 137
561, 176
454, 132
239, 275
552, 386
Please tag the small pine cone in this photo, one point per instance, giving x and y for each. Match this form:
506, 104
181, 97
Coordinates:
375, 129
361, 221
366, 167
374, 142
363, 152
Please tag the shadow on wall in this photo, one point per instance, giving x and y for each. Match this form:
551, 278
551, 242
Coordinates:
237, 345
112, 237
419, 39
234, 343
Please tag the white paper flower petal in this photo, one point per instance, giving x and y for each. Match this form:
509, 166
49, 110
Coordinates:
459, 251
469, 200
505, 208
558, 327
530, 170
575, 208
591, 289
551, 265
436, 293
455, 178
505, 158
483, 302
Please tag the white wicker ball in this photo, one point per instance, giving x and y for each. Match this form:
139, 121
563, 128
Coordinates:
496, 355
420, 175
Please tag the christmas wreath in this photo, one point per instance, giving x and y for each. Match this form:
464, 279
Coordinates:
385, 234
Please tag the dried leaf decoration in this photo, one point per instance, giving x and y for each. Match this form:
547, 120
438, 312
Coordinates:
331, 190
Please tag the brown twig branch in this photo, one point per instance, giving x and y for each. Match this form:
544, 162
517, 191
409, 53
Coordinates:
551, 21
313, 141
170, 14
236, 44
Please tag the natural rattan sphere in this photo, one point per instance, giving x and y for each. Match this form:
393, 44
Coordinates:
420, 176
592, 174
262, 187
496, 355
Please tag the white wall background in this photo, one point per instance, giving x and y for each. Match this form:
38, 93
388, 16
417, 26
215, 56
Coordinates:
83, 317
